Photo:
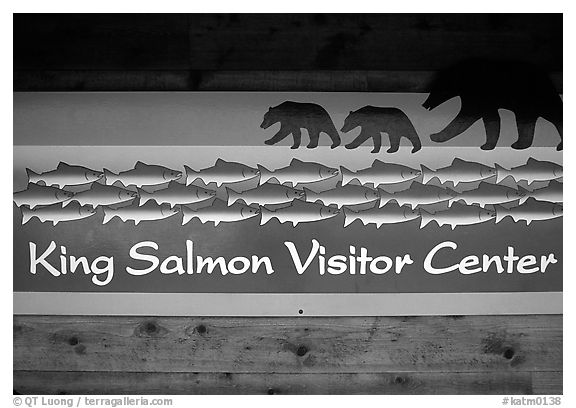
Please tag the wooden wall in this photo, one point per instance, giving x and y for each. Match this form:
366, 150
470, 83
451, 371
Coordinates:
203, 355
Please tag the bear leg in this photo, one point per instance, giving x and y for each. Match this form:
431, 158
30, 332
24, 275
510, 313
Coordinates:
492, 126
282, 133
394, 143
462, 121
297, 135
334, 135
557, 121
560, 145
377, 140
407, 130
314, 135
526, 125
415, 140
361, 138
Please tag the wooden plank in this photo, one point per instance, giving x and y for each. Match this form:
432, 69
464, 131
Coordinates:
549, 382
370, 41
282, 41
236, 81
288, 345
57, 382
101, 41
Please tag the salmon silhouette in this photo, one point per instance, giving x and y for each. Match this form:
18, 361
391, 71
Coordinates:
298, 212
65, 175
298, 172
267, 193
342, 195
380, 173
485, 86
219, 212
417, 194
176, 193
531, 210
391, 213
460, 171
148, 212
458, 214
223, 172
100, 194
35, 195
373, 121
552, 193
533, 170
489, 194
294, 116
55, 213
142, 175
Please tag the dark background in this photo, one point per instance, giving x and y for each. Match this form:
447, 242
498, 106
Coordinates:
309, 52
392, 53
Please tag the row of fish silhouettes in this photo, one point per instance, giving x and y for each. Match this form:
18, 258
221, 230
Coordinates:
270, 193
300, 211
297, 172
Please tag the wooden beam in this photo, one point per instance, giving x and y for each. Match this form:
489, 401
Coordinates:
233, 81
288, 345
436, 383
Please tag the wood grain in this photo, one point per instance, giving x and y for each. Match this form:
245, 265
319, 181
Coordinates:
288, 345
282, 41
74, 382
231, 81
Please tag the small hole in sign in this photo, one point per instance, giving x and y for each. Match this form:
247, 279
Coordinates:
300, 311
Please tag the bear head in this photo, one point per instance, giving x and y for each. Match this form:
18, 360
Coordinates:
442, 90
271, 117
352, 121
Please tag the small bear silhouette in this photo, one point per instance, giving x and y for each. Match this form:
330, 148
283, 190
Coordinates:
485, 86
374, 120
294, 116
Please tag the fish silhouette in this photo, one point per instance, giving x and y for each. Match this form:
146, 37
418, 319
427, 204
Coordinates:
552, 193
142, 175
176, 193
65, 175
418, 194
297, 212
41, 195
487, 193
460, 171
533, 170
55, 213
223, 172
148, 212
267, 193
219, 212
100, 194
343, 195
380, 173
298, 172
457, 214
531, 210
389, 214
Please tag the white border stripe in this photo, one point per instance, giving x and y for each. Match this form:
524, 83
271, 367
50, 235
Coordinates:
248, 304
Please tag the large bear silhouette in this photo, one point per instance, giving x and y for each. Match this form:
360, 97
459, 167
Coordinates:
294, 116
486, 86
374, 120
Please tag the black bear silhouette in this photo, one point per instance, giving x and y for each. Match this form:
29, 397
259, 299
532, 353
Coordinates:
374, 120
484, 87
294, 116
